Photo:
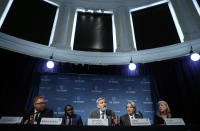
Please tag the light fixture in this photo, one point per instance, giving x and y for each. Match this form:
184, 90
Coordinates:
132, 66
50, 63
82, 10
99, 11
193, 55
91, 11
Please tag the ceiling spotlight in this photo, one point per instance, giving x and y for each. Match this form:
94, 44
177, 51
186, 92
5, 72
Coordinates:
132, 66
50, 63
193, 55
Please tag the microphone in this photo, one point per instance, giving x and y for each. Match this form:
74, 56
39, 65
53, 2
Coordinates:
140, 114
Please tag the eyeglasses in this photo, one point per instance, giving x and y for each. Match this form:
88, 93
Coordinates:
41, 103
70, 109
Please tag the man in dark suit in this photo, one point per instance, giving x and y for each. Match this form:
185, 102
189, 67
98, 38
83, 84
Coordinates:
103, 113
35, 114
71, 119
125, 120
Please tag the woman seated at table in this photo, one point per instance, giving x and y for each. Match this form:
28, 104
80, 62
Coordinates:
164, 112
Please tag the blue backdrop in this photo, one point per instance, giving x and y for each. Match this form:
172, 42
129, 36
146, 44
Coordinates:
81, 91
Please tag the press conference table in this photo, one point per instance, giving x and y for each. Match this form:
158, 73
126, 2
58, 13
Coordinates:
5, 127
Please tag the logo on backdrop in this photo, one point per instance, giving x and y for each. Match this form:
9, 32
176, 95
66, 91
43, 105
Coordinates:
129, 80
96, 90
59, 111
145, 81
79, 111
61, 89
149, 111
147, 100
78, 100
113, 81
61, 99
130, 91
134, 100
114, 101
79, 88
97, 79
62, 78
113, 89
79, 80
45, 88
146, 90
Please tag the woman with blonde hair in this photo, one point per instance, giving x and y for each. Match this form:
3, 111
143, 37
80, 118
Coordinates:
164, 112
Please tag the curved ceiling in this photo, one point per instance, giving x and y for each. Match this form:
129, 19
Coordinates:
106, 3
99, 58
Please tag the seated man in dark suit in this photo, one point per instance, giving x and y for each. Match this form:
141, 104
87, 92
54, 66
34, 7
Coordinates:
103, 113
125, 120
71, 119
35, 114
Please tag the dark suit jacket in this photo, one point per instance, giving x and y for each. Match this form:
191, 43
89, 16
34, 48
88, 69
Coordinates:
159, 120
109, 114
76, 120
125, 120
46, 113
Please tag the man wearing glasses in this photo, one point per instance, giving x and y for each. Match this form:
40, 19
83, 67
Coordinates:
35, 114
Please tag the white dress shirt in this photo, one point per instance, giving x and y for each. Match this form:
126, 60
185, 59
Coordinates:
131, 117
35, 111
101, 115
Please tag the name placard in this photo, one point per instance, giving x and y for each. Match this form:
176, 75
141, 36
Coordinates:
98, 122
174, 121
140, 122
51, 121
10, 120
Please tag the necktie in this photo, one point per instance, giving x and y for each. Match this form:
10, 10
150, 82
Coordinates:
37, 117
70, 122
102, 115
131, 117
